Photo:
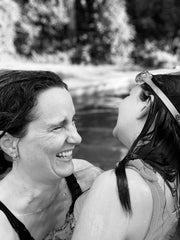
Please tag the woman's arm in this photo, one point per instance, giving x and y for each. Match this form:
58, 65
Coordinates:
85, 173
102, 216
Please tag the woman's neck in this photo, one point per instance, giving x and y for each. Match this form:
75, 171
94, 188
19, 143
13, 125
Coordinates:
25, 196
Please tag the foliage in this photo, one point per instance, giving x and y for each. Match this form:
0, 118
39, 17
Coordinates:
9, 15
90, 31
121, 33
43, 26
103, 31
149, 55
156, 21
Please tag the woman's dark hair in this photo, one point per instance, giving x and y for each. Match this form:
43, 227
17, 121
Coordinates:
18, 95
158, 147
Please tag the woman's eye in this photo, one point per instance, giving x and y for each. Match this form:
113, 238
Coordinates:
57, 128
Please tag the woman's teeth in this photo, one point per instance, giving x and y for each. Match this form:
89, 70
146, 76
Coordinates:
64, 154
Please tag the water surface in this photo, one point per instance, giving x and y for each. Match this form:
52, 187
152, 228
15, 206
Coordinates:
96, 120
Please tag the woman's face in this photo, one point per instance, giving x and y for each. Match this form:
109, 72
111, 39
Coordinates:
46, 150
127, 126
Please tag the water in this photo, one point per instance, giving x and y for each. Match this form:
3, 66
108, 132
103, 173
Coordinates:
95, 124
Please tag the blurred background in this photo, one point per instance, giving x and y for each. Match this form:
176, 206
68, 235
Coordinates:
91, 31
97, 47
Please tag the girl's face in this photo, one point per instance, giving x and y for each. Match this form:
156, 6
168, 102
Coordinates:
46, 150
128, 123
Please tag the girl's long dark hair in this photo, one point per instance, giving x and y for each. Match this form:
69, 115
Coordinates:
160, 147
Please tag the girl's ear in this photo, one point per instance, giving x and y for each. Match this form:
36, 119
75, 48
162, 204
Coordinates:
8, 144
145, 108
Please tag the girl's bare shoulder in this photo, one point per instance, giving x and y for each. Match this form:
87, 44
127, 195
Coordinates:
141, 203
137, 185
140, 196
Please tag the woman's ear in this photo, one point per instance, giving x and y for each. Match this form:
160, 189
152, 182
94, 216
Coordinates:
145, 108
8, 144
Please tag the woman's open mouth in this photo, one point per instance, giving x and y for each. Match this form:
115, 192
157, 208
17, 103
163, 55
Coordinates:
65, 154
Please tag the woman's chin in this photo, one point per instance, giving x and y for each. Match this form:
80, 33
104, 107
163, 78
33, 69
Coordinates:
64, 169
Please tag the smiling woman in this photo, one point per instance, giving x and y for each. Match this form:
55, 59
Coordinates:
50, 138
40, 179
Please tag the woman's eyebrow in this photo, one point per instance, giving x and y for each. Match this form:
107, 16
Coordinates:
58, 123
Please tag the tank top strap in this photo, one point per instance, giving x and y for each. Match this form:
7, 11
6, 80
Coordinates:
75, 190
145, 170
159, 201
17, 225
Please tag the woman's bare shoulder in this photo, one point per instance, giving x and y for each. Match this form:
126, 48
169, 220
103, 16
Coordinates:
6, 230
85, 173
81, 164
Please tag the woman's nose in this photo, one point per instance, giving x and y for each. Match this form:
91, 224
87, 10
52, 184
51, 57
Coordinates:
73, 136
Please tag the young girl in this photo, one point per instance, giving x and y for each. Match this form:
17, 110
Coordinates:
139, 200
